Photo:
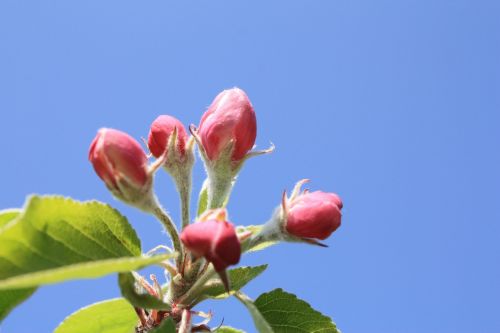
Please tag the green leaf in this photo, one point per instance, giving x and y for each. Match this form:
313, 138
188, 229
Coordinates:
203, 198
8, 215
166, 326
284, 312
86, 270
57, 239
260, 322
9, 299
111, 316
227, 329
145, 301
238, 278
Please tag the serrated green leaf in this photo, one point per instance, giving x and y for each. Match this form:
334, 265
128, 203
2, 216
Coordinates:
57, 239
111, 316
145, 301
166, 326
203, 198
8, 215
284, 312
238, 278
9, 299
227, 329
260, 322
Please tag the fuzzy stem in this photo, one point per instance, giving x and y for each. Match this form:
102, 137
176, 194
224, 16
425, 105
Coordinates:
169, 225
221, 176
182, 175
270, 232
185, 195
219, 188
253, 242
192, 293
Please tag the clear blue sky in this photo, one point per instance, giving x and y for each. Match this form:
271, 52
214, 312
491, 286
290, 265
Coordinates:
394, 105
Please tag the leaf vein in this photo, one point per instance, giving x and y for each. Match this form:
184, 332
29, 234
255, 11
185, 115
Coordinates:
91, 239
121, 240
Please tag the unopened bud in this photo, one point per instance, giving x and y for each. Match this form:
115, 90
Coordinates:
229, 120
161, 130
214, 239
122, 164
225, 137
313, 215
115, 155
169, 143
303, 217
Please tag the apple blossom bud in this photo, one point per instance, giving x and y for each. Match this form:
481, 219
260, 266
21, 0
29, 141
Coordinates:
116, 157
313, 215
160, 132
229, 119
214, 239
303, 217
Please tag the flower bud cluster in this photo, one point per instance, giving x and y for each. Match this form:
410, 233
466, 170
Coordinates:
225, 137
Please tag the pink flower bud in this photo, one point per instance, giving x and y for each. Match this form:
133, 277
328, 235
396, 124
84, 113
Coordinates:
314, 215
160, 132
215, 240
117, 156
229, 117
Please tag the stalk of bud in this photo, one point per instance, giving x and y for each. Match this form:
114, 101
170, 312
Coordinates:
214, 238
122, 164
169, 142
226, 134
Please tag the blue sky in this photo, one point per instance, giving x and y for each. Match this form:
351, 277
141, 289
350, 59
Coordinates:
394, 105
